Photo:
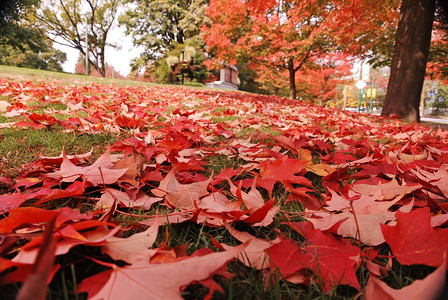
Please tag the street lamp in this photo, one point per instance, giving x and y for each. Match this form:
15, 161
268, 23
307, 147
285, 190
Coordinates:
360, 84
87, 49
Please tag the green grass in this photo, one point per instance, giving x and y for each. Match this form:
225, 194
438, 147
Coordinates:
63, 78
22, 146
25, 74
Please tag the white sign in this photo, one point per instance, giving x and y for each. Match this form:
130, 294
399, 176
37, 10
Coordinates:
361, 84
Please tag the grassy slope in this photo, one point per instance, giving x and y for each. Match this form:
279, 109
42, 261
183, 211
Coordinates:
21, 146
25, 74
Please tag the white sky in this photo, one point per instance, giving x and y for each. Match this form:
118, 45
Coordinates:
119, 59
365, 71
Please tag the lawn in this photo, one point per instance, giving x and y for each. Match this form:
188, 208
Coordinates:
124, 190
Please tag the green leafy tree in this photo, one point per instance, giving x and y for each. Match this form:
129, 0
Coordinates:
160, 69
11, 31
20, 44
47, 58
437, 97
11, 10
159, 25
66, 19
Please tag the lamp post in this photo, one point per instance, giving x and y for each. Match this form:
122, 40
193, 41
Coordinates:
371, 93
87, 50
361, 84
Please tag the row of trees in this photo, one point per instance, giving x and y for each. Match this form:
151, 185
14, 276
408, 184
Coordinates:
303, 48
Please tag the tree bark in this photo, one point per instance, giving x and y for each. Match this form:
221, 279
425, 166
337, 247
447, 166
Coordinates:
409, 59
292, 79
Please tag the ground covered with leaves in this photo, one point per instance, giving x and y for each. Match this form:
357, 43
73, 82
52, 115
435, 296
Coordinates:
197, 193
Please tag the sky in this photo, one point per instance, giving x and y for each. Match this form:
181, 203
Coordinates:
119, 59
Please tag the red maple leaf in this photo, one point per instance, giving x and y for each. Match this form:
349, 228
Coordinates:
414, 241
334, 261
284, 169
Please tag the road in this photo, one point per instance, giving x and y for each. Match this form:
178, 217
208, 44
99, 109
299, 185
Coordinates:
434, 120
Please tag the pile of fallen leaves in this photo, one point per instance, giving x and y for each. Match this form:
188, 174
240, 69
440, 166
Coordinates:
372, 192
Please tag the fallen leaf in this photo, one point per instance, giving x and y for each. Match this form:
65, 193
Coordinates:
334, 261
133, 248
111, 196
99, 173
180, 196
254, 256
143, 280
359, 219
35, 285
8, 202
430, 287
414, 241
387, 191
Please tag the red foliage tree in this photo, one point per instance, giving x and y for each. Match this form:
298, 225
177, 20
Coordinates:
278, 35
287, 35
319, 83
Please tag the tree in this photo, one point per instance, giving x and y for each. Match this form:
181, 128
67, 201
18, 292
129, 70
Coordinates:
439, 98
45, 58
319, 83
159, 25
411, 50
438, 56
11, 10
164, 69
411, 25
20, 44
276, 34
365, 28
66, 19
11, 32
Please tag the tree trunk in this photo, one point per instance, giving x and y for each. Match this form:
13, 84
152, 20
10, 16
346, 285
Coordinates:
101, 61
409, 59
292, 80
